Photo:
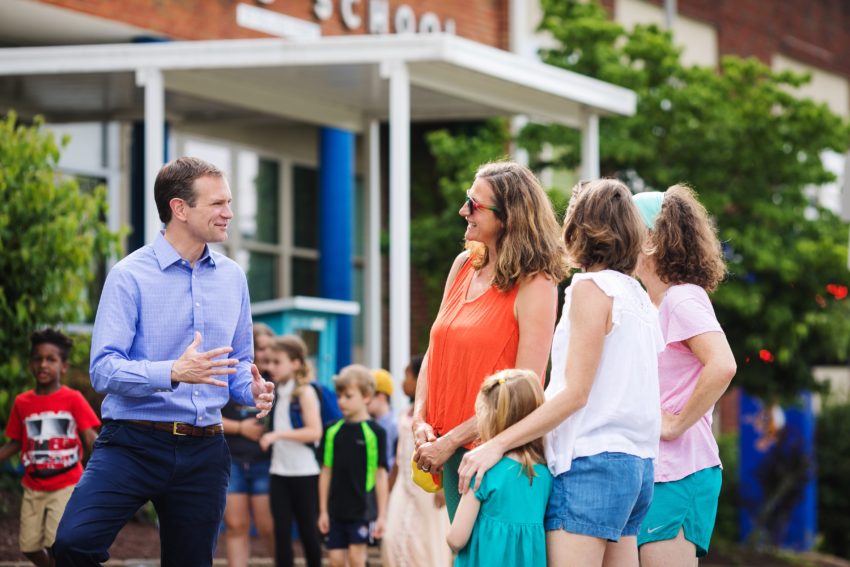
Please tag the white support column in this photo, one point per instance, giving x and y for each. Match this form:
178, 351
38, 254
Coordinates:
590, 147
519, 30
114, 179
372, 299
520, 155
399, 78
670, 11
151, 80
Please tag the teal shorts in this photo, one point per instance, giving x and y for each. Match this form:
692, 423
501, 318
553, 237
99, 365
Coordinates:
689, 504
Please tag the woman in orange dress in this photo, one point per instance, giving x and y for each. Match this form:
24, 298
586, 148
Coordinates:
498, 311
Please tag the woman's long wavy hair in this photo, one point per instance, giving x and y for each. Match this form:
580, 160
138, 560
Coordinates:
529, 243
684, 242
506, 398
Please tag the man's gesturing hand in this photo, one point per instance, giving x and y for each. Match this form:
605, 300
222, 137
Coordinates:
263, 392
199, 367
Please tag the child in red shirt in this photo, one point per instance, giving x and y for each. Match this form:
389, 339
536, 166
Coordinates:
45, 426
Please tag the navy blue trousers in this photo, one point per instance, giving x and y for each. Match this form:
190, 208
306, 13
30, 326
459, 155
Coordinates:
185, 478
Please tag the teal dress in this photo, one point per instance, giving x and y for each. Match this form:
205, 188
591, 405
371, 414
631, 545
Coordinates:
509, 528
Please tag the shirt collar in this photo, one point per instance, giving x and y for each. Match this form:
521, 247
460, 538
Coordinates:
167, 256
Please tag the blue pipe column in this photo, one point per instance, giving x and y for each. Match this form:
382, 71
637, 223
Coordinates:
336, 231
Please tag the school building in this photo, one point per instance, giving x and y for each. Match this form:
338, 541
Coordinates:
310, 107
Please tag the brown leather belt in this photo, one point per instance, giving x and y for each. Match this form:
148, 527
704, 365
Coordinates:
178, 427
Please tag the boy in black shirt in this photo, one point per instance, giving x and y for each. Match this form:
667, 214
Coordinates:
353, 482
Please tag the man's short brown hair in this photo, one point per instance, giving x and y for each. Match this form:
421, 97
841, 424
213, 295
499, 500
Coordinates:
176, 180
355, 375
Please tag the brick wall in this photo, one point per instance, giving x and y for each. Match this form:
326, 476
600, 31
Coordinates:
815, 32
484, 21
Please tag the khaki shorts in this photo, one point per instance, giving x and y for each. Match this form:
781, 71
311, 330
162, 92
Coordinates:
40, 515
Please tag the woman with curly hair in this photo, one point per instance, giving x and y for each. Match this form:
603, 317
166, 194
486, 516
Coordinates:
498, 311
681, 265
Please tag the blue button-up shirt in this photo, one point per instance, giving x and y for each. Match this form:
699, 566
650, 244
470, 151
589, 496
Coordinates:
153, 301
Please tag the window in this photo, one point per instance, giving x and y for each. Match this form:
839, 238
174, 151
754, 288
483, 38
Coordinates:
305, 237
91, 157
255, 238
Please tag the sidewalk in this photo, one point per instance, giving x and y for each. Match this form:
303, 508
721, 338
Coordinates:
254, 562
374, 560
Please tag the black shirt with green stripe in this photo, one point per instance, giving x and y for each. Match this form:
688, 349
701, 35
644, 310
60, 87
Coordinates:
352, 492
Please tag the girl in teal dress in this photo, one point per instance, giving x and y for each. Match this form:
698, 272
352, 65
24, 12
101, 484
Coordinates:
501, 523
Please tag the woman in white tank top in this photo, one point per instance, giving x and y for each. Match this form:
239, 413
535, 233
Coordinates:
601, 416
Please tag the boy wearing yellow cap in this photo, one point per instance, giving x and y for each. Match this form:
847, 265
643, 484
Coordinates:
381, 412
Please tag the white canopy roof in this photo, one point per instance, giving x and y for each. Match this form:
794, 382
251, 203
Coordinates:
336, 80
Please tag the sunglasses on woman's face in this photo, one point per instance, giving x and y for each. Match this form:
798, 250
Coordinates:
472, 205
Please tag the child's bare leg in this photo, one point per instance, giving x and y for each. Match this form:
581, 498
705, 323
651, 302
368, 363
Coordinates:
336, 557
357, 555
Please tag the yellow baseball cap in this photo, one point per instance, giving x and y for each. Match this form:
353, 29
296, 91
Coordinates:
383, 381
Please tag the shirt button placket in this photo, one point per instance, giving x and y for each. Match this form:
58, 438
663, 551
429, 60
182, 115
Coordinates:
199, 326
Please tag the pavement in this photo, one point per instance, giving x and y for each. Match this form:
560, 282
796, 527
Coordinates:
374, 560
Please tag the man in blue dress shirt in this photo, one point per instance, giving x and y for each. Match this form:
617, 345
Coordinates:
171, 344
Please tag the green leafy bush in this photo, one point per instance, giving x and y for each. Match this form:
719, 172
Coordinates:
50, 235
833, 472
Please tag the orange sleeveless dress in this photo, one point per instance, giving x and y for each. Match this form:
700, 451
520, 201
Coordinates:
470, 340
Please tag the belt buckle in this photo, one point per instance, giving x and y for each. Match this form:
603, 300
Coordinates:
174, 429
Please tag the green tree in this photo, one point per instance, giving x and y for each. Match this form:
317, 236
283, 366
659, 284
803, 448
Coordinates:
749, 148
51, 234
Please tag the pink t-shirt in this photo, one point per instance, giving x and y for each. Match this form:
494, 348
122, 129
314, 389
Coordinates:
685, 312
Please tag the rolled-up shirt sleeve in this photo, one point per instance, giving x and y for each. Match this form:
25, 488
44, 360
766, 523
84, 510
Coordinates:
112, 370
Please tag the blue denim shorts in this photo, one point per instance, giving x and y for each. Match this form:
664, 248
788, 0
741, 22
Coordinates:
605, 496
249, 478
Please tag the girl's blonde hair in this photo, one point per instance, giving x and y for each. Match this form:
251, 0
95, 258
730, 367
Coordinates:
296, 349
355, 375
529, 243
506, 398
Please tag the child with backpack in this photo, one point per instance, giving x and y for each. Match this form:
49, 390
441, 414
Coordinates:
502, 521
294, 468
353, 489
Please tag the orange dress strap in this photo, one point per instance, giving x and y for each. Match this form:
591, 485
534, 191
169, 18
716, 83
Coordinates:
470, 340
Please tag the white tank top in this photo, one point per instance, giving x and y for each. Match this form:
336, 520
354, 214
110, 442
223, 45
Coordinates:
623, 411
290, 458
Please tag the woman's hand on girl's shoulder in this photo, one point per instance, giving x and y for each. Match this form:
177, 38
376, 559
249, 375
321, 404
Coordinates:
477, 462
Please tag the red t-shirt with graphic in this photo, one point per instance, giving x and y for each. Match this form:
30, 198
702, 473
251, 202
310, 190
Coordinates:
46, 427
